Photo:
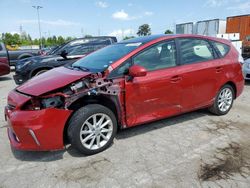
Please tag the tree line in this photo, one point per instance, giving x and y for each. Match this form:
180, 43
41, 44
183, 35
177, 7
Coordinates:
25, 39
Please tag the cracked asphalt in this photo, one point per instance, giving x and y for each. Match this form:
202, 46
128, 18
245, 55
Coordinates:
192, 150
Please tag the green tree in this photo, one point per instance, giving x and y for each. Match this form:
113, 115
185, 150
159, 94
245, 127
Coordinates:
69, 39
88, 36
60, 40
168, 31
144, 30
128, 37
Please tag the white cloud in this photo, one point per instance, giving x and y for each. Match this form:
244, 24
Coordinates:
58, 22
241, 8
219, 3
122, 15
101, 4
148, 13
120, 33
215, 3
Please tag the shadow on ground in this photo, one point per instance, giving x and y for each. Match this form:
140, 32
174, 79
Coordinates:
4, 78
41, 156
247, 82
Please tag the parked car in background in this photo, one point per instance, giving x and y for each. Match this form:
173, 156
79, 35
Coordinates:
16, 55
4, 60
246, 69
86, 102
48, 50
67, 53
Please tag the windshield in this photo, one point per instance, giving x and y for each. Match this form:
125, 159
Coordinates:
101, 59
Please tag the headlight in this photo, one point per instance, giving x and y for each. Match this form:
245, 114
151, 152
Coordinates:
43, 103
19, 65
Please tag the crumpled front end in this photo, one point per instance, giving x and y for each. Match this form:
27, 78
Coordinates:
37, 122
34, 129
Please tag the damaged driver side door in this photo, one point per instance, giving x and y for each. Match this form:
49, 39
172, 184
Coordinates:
158, 94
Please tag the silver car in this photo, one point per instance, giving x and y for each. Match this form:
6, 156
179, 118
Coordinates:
246, 69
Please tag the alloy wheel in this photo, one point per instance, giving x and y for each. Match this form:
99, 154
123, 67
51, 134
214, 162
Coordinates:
225, 99
96, 131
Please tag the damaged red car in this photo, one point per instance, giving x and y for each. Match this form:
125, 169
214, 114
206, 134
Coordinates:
123, 85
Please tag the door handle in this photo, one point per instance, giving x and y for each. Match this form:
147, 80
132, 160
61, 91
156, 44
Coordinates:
219, 69
175, 79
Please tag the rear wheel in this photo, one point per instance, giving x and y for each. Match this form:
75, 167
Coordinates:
223, 101
92, 129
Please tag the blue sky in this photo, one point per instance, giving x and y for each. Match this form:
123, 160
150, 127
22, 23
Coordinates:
110, 17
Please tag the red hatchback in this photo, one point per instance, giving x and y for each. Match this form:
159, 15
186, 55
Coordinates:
123, 85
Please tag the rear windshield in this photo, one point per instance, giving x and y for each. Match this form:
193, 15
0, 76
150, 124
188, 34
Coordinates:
223, 49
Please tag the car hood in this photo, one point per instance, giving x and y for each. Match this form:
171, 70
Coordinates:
43, 59
51, 80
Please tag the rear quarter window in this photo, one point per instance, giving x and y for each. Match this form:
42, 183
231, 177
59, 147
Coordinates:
222, 49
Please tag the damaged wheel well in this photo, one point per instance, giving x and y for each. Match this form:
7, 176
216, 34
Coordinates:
108, 101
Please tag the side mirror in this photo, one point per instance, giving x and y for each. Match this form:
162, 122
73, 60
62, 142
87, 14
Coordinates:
64, 54
137, 71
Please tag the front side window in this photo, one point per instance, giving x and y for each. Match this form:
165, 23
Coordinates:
195, 50
222, 48
162, 55
83, 46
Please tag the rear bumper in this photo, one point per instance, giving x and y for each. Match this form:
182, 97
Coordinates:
36, 130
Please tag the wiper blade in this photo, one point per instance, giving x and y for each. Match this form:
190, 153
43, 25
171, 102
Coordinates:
80, 67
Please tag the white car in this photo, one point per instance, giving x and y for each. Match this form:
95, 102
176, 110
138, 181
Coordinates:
246, 69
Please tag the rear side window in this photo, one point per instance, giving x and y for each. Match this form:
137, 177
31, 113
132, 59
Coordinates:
221, 48
1, 48
195, 50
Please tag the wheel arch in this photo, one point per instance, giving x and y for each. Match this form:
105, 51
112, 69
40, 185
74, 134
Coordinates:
25, 55
109, 101
233, 85
39, 69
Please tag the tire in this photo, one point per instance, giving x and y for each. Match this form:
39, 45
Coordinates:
223, 103
83, 133
40, 72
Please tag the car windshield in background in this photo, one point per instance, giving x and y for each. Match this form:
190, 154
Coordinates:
68, 47
101, 59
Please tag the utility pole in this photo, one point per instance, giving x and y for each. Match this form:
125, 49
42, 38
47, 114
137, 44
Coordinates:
39, 25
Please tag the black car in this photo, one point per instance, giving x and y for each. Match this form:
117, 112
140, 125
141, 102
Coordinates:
16, 55
66, 53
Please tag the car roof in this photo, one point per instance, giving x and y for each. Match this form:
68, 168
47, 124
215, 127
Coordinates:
144, 39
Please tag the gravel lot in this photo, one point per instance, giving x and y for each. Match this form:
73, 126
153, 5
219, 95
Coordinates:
192, 150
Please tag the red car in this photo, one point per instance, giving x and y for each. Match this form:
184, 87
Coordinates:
123, 85
4, 60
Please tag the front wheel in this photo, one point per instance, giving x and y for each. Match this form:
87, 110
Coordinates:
92, 129
40, 72
223, 101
